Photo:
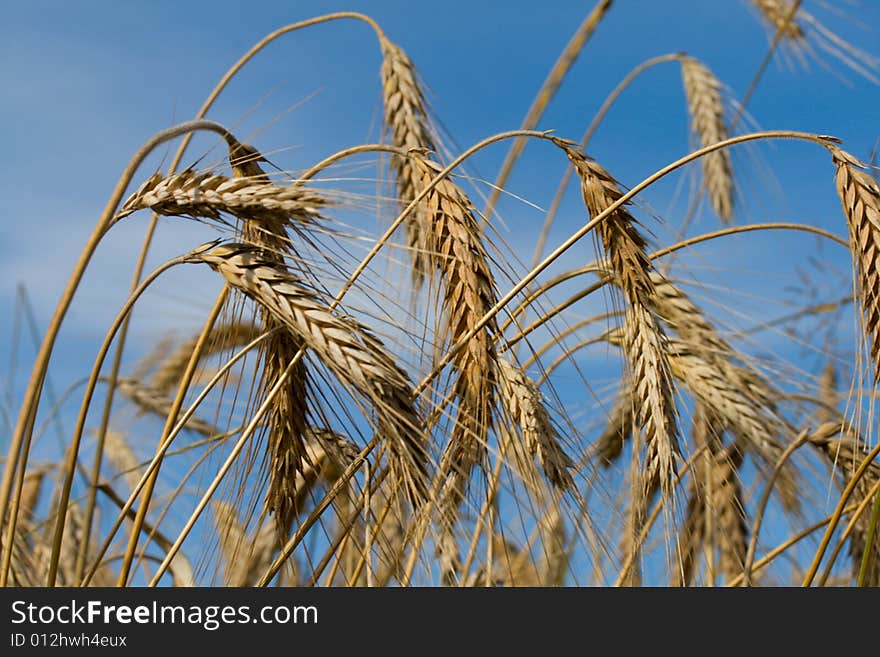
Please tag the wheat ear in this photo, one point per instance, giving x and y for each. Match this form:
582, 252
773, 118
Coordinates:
645, 340
706, 110
775, 13
845, 454
150, 401
406, 118
460, 260
860, 196
344, 345
287, 413
224, 336
524, 403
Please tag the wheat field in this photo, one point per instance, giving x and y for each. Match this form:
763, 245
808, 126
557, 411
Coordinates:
519, 358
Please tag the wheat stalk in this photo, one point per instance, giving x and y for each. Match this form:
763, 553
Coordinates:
845, 454
707, 123
344, 345
860, 196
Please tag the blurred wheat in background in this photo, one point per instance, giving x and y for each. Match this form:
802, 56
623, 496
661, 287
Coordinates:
402, 378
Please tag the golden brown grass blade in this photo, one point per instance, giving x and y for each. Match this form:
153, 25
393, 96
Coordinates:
210, 195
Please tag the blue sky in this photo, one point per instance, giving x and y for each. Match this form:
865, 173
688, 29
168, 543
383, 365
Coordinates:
86, 83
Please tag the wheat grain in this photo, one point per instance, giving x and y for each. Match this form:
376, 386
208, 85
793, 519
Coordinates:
210, 195
246, 557
460, 259
775, 12
846, 454
123, 458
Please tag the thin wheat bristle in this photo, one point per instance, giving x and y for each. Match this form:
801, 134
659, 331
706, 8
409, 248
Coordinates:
406, 117
344, 345
525, 405
775, 13
645, 340
210, 195
706, 110
150, 401
860, 195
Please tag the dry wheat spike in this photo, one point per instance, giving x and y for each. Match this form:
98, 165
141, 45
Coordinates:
775, 13
245, 557
860, 195
706, 109
524, 403
209, 195
715, 515
644, 338
344, 345
150, 401
460, 260
406, 117
846, 454
286, 417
